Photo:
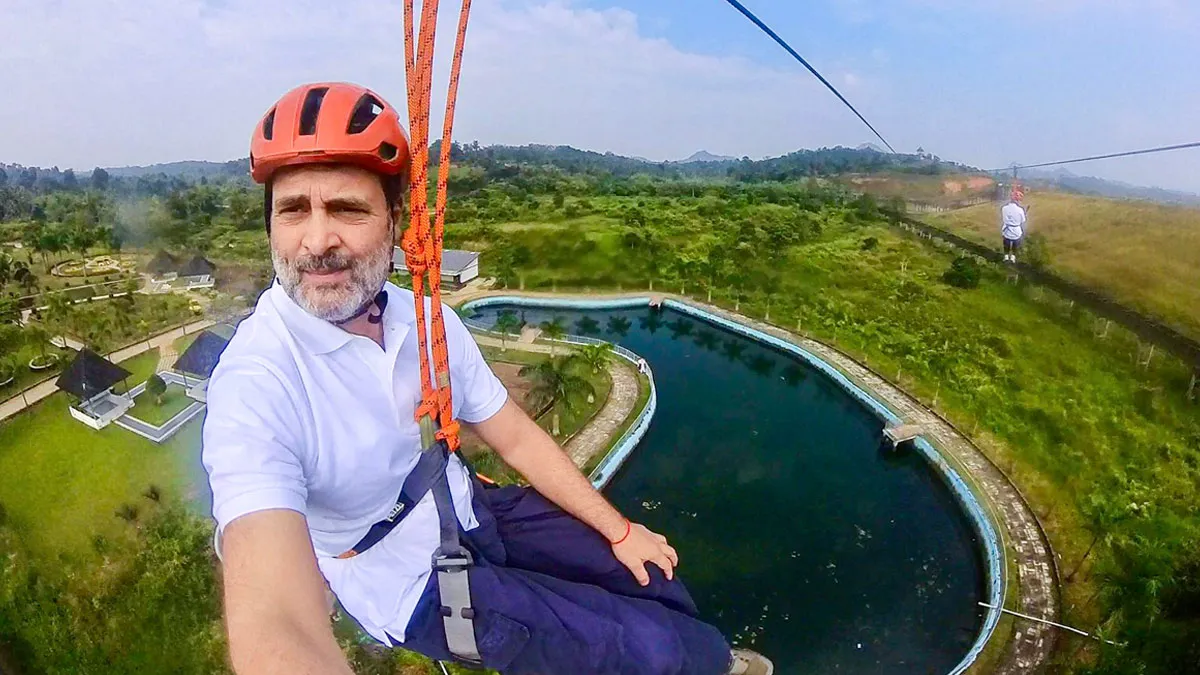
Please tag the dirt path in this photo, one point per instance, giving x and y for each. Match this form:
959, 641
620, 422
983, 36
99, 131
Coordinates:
1037, 576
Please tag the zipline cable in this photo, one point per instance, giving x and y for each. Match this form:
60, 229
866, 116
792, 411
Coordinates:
775, 36
1131, 153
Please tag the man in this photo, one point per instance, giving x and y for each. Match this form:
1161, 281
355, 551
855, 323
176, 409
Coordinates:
310, 435
1012, 223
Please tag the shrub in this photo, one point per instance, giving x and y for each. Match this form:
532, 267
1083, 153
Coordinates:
870, 243
128, 512
152, 493
964, 272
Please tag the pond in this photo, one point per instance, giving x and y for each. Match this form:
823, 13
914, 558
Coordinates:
798, 535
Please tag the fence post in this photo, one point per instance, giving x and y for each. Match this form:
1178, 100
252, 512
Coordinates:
1149, 356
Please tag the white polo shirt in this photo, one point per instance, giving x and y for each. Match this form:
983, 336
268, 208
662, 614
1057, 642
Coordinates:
1012, 221
305, 416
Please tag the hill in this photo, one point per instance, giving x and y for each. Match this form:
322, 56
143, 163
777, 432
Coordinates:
1064, 180
1142, 254
706, 156
185, 169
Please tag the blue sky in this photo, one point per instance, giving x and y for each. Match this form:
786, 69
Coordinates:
986, 83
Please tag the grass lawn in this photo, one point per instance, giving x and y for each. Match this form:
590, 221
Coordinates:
150, 411
1143, 254
140, 368
61, 482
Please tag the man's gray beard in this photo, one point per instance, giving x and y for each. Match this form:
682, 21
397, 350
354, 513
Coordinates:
334, 303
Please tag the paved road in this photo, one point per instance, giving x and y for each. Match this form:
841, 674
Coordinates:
31, 396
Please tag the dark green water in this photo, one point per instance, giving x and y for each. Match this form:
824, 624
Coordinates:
797, 535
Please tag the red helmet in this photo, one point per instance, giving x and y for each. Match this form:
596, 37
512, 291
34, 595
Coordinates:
329, 122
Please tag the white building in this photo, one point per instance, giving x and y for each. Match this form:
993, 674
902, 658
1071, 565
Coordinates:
458, 267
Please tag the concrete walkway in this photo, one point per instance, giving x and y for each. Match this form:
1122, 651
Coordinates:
598, 433
1037, 583
31, 396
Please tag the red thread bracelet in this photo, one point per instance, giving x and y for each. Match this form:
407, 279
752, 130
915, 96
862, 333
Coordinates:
628, 530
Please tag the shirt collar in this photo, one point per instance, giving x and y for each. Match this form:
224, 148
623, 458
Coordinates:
322, 337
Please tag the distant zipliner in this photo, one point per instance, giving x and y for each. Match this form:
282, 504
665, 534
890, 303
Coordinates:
1014, 217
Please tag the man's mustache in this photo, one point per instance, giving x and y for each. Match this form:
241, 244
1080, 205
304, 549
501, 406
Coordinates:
329, 262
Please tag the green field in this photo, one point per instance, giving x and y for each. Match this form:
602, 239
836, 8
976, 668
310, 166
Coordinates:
1142, 254
62, 482
174, 401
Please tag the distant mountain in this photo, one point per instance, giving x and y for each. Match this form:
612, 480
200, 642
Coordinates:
705, 156
186, 169
870, 146
1066, 181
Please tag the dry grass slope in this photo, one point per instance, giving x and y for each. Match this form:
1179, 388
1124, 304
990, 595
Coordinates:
1142, 254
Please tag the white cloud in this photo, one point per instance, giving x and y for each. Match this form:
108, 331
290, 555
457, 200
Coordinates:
107, 82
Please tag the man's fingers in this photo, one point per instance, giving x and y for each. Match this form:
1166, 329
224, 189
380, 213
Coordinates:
672, 555
661, 539
666, 566
640, 573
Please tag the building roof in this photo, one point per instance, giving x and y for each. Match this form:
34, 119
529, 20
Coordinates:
201, 357
453, 261
161, 263
196, 267
90, 374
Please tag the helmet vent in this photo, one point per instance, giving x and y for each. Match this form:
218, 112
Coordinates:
268, 126
365, 112
388, 151
311, 109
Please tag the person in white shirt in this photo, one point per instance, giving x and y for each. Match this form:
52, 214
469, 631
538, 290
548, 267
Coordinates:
1012, 224
311, 435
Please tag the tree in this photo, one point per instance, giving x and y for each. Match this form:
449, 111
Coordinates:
59, 313
156, 387
506, 323
554, 330
8, 369
594, 357
586, 325
69, 181
556, 386
37, 336
7, 269
100, 179
964, 272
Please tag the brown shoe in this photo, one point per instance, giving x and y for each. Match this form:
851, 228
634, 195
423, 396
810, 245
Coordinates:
746, 662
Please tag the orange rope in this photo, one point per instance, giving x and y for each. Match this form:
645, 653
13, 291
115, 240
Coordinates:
422, 243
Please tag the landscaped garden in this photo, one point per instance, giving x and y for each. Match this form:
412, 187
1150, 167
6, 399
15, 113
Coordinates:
158, 411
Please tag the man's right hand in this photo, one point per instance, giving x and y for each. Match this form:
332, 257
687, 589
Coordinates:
643, 546
275, 604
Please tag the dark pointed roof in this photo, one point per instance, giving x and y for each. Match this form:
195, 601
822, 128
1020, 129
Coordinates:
90, 374
161, 263
197, 266
202, 355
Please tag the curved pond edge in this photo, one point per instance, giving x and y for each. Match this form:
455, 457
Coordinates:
978, 516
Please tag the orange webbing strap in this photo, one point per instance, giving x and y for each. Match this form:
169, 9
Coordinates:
422, 244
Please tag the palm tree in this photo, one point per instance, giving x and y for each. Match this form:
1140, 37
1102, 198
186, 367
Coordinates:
506, 323
25, 277
594, 357
619, 326
6, 269
37, 336
554, 330
556, 386
8, 369
60, 313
